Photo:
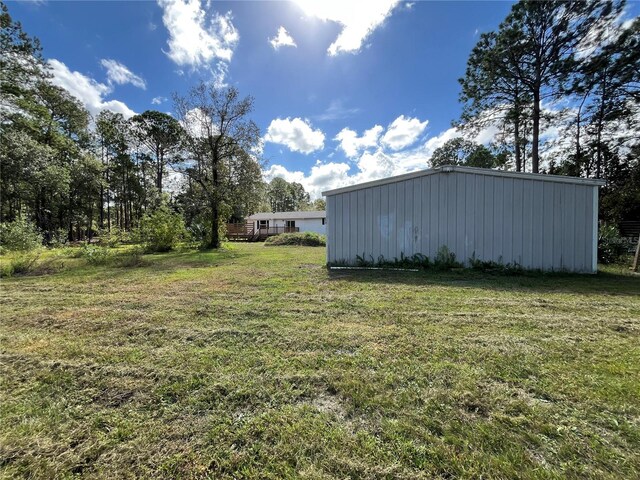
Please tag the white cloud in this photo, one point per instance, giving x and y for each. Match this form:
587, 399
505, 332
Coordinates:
158, 100
297, 134
403, 132
352, 144
322, 176
197, 38
90, 92
120, 74
335, 111
370, 165
358, 19
487, 135
197, 122
282, 39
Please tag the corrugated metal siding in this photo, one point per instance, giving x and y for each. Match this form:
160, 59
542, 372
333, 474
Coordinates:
537, 224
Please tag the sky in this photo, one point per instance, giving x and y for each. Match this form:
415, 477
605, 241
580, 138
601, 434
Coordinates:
344, 91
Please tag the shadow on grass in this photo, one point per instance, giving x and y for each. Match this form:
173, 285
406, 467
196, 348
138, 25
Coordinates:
603, 283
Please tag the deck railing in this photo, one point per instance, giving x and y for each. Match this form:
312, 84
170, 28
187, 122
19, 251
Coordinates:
247, 231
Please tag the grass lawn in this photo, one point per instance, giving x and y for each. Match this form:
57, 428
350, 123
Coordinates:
256, 362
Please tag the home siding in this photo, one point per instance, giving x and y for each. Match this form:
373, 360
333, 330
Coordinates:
304, 224
535, 223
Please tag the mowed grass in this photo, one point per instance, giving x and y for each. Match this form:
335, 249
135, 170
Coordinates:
256, 362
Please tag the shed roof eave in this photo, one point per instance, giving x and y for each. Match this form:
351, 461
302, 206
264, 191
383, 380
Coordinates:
472, 170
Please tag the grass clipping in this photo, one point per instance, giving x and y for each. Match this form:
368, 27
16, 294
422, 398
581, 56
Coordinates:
306, 239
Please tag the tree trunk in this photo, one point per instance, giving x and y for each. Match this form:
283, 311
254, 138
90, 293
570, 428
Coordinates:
535, 159
108, 211
516, 128
516, 134
599, 128
215, 220
159, 161
101, 206
636, 258
90, 224
215, 214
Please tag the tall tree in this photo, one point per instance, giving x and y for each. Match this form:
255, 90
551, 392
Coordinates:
492, 98
219, 135
612, 80
162, 135
111, 130
545, 38
22, 67
534, 51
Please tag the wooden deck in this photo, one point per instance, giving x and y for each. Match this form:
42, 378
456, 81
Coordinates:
248, 233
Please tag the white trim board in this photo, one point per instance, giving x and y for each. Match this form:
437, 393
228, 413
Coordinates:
472, 170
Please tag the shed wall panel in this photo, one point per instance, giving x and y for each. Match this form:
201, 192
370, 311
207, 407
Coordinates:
530, 222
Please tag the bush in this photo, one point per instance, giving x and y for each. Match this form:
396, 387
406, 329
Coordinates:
161, 230
307, 239
611, 246
59, 238
19, 236
110, 238
95, 255
18, 263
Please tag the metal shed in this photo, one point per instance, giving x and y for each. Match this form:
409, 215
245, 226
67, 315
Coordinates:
538, 221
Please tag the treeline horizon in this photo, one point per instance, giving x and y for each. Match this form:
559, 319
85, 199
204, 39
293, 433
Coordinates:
572, 67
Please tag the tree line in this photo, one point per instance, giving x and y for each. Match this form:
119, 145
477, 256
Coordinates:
75, 176
559, 84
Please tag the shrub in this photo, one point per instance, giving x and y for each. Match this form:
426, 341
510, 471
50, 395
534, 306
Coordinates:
308, 239
161, 230
18, 263
95, 255
611, 246
58, 238
110, 238
19, 236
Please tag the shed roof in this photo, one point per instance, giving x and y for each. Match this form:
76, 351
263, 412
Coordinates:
476, 171
287, 215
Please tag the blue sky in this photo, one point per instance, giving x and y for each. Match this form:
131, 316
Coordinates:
344, 91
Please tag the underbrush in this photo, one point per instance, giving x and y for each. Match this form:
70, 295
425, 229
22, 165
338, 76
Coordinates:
18, 263
305, 239
444, 260
49, 261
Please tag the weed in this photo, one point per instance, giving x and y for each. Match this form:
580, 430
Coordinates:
491, 266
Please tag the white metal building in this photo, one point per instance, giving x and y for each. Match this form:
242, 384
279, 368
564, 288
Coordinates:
313, 221
545, 222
